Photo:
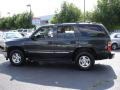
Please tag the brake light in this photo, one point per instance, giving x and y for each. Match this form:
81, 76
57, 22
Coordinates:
109, 48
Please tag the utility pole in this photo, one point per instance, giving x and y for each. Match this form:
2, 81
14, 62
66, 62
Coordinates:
30, 15
84, 10
8, 14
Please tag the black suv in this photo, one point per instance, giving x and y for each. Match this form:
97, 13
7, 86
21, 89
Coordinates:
82, 43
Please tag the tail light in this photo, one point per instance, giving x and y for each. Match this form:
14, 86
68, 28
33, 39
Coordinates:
108, 47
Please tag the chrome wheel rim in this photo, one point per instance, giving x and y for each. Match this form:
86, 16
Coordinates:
16, 58
84, 61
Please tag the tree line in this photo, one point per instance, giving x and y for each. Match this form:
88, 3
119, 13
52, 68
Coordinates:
106, 12
23, 20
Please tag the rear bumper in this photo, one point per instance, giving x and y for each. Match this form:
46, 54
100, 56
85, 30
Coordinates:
105, 55
111, 56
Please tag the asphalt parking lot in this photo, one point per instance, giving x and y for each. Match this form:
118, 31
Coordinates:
60, 76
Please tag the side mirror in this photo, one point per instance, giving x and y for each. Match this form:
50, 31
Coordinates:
37, 37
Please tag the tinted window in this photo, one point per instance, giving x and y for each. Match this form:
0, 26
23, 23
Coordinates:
66, 32
91, 31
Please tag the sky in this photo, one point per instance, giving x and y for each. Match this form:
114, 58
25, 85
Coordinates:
40, 7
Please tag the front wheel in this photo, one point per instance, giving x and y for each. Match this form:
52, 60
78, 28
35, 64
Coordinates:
17, 57
85, 60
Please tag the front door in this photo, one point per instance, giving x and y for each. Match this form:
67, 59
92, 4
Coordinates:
41, 46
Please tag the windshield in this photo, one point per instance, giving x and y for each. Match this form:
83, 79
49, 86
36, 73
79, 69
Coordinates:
13, 35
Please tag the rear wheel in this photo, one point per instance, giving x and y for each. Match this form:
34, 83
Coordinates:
17, 57
85, 60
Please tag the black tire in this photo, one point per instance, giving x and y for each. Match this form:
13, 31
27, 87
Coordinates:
114, 46
20, 58
90, 60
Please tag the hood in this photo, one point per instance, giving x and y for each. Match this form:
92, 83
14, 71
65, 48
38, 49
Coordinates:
16, 42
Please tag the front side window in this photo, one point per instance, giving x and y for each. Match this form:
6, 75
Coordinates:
45, 32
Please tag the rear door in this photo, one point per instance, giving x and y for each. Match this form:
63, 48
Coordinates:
66, 41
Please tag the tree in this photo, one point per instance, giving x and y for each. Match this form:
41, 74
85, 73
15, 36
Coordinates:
68, 13
107, 12
17, 21
88, 16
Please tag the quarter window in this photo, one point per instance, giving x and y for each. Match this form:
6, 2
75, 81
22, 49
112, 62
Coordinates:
91, 31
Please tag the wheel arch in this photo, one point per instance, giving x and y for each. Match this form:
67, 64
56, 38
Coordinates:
84, 49
14, 48
115, 43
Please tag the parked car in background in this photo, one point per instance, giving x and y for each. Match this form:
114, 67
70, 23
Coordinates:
9, 36
25, 32
13, 31
80, 43
115, 38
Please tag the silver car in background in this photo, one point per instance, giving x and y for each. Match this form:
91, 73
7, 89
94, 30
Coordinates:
115, 38
9, 36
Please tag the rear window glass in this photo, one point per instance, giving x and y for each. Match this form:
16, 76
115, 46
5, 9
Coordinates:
92, 31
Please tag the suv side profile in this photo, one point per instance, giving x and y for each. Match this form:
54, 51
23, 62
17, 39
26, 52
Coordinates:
82, 43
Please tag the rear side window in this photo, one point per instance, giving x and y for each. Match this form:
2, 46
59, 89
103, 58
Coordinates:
66, 32
91, 31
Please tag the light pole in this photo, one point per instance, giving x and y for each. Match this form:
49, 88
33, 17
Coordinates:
29, 5
8, 14
84, 10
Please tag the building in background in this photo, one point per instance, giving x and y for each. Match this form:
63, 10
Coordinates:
46, 19
38, 21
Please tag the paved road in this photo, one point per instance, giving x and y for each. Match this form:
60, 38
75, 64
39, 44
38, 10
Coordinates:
104, 76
